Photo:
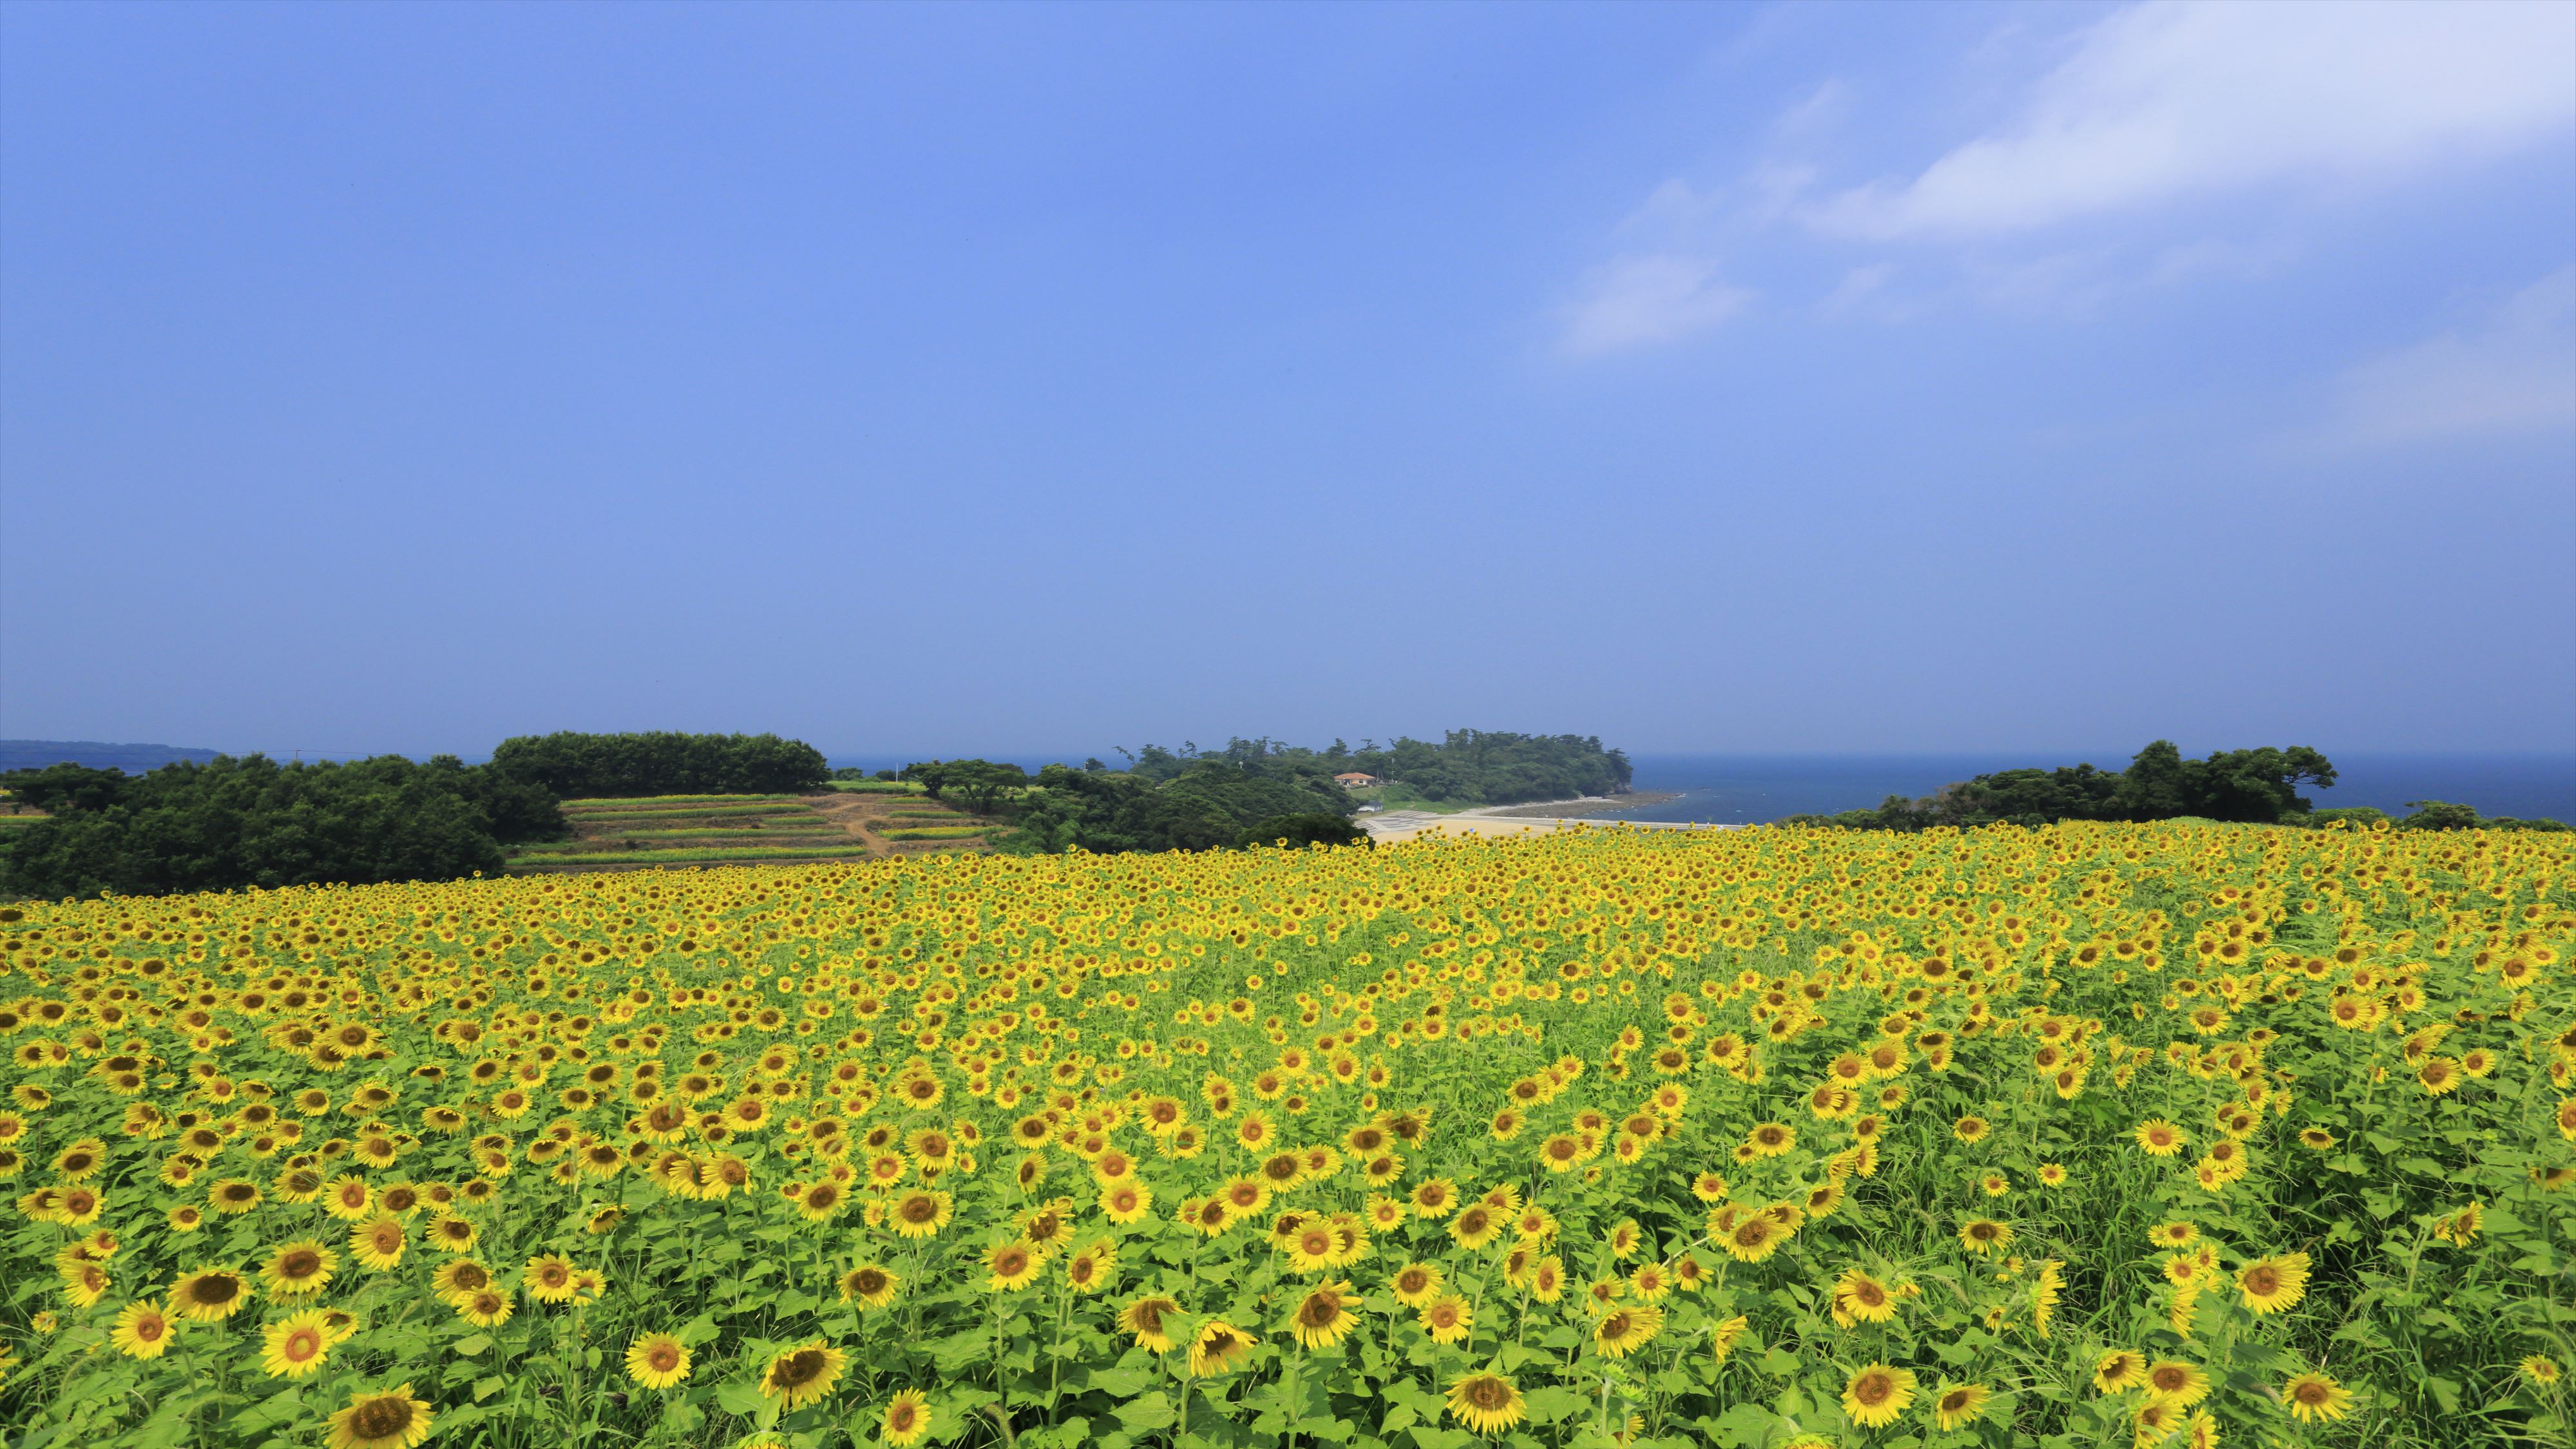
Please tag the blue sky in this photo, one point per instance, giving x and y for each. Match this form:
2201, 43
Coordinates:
999, 379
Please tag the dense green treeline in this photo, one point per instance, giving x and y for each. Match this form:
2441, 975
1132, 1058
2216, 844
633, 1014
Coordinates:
1258, 791
251, 821
2433, 815
662, 762
2259, 786
1467, 767
2256, 786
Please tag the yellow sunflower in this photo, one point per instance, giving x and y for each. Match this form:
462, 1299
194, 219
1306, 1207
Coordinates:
1486, 1403
295, 1345
2161, 1138
1448, 1319
142, 1330
1013, 1266
1877, 1394
209, 1295
299, 1269
1416, 1284
2182, 1383
1623, 1331
921, 1214
869, 1285
485, 1307
802, 1375
1324, 1317
2314, 1396
2274, 1285
1220, 1347
906, 1419
1959, 1404
1145, 1318
378, 1242
392, 1419
657, 1360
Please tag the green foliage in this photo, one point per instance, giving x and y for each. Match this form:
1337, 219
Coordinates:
662, 762
1468, 767
982, 785
1210, 806
2246, 786
253, 822
1297, 830
2443, 815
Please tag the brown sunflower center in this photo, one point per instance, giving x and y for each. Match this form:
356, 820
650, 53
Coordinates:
381, 1418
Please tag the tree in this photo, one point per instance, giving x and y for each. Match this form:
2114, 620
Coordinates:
662, 762
1297, 830
2257, 786
983, 784
250, 821
57, 788
2439, 815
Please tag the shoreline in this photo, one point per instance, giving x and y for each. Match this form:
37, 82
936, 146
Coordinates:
1580, 805
1538, 817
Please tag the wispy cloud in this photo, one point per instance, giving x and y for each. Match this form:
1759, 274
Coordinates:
2513, 375
2170, 100
1640, 300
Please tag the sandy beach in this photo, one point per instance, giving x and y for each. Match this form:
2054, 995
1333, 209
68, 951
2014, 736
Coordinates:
1543, 817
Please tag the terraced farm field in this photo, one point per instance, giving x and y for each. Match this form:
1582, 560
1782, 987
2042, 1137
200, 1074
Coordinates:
706, 830
2085, 1136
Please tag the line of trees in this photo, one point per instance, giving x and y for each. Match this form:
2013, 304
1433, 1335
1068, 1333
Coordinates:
2256, 786
662, 762
1209, 807
250, 821
1467, 767
1258, 791
2432, 815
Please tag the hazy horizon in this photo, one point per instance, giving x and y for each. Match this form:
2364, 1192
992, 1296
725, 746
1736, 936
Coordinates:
1736, 379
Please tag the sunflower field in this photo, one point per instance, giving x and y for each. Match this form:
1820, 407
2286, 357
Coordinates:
2090, 1135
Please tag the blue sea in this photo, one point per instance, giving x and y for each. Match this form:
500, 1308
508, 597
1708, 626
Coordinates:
1741, 789
1730, 789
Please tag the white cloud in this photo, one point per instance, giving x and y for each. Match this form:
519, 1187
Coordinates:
2235, 261
2516, 374
1824, 109
1640, 300
2169, 100
1858, 286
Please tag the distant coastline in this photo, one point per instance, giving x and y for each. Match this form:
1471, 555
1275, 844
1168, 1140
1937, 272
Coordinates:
1584, 805
1756, 789
97, 755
